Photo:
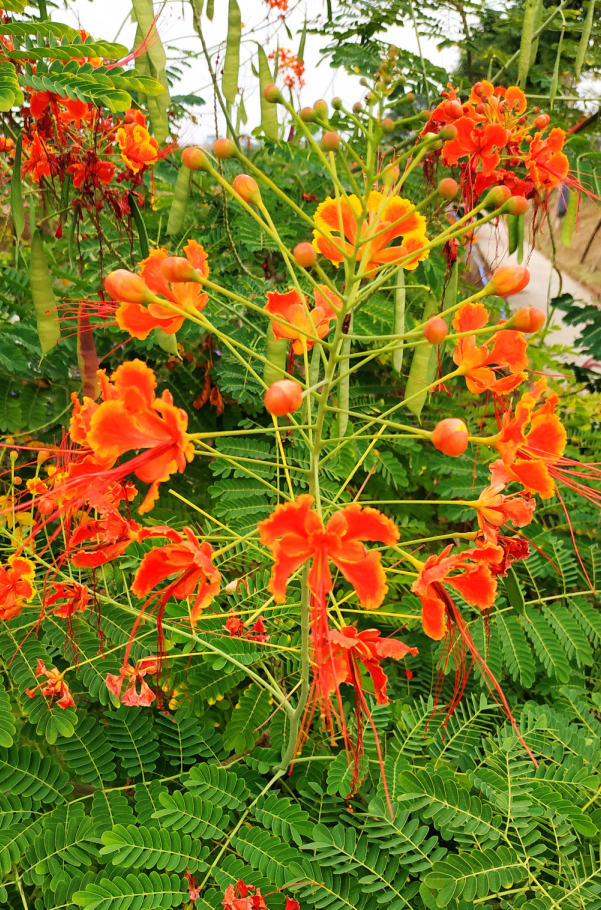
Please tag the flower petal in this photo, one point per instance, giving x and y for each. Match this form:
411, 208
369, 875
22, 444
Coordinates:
367, 577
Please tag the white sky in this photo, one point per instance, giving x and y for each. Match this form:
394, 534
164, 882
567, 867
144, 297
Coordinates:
105, 19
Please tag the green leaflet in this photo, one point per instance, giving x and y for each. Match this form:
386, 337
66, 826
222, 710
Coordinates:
243, 728
344, 384
16, 194
275, 352
181, 192
515, 595
301, 46
422, 369
399, 318
526, 42
231, 65
515, 229
43, 295
269, 116
157, 106
166, 342
569, 220
584, 40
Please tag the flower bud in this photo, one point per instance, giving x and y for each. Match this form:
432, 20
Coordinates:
305, 255
177, 269
430, 137
13, 455
307, 114
517, 205
272, 94
283, 397
363, 81
371, 99
497, 197
423, 115
453, 109
448, 132
390, 176
478, 89
224, 148
194, 158
388, 125
44, 506
508, 280
321, 108
247, 188
448, 188
450, 436
337, 104
357, 107
529, 319
435, 330
330, 141
542, 121
126, 287
43, 454
410, 97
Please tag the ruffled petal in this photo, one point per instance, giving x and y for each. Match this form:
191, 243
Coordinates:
289, 517
367, 577
337, 215
197, 257
326, 247
434, 615
365, 523
469, 317
477, 586
152, 276
534, 477
547, 437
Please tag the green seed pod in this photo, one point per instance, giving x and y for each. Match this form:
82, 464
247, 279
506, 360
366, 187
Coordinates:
43, 295
181, 192
399, 318
276, 353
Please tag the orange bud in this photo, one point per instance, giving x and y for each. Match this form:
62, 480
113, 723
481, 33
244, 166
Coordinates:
435, 330
450, 436
448, 188
177, 269
357, 107
390, 175
127, 287
44, 506
305, 255
224, 148
508, 280
517, 205
388, 125
498, 196
283, 397
194, 158
272, 94
321, 107
542, 121
248, 188
453, 109
330, 141
448, 132
478, 89
307, 114
529, 319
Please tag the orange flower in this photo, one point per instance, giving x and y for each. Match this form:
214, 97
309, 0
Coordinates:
398, 217
294, 309
476, 584
348, 648
139, 319
16, 586
185, 557
138, 148
237, 629
71, 599
134, 675
132, 417
40, 161
56, 687
240, 896
111, 536
295, 534
546, 162
478, 363
530, 457
495, 509
478, 143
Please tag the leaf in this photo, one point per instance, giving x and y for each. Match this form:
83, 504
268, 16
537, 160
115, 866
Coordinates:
191, 815
7, 720
546, 645
340, 774
516, 653
43, 295
153, 848
250, 714
133, 738
514, 592
231, 65
218, 786
480, 872
132, 891
269, 116
269, 855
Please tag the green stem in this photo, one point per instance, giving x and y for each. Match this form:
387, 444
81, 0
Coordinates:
296, 718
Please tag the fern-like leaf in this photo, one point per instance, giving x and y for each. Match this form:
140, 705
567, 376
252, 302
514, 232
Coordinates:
153, 848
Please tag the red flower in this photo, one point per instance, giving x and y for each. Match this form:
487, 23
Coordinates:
295, 534
110, 536
390, 220
72, 598
530, 457
236, 627
185, 557
478, 363
41, 162
294, 309
478, 143
475, 582
132, 417
348, 648
134, 675
139, 319
239, 897
16, 586
56, 687
546, 162
495, 509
